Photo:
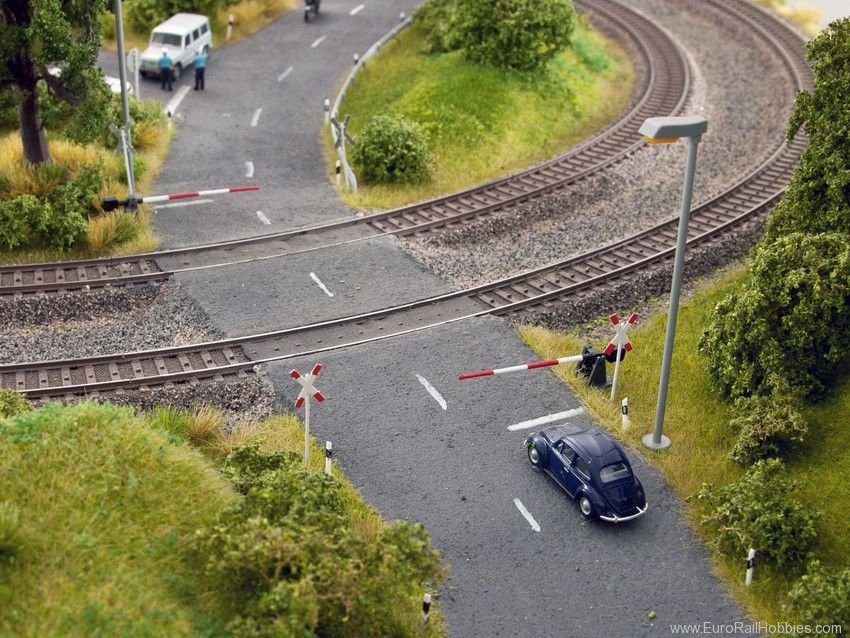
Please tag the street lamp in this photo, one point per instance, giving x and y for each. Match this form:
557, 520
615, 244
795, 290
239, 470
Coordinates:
664, 130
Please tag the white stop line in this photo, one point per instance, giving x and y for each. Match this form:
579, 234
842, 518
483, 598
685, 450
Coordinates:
527, 515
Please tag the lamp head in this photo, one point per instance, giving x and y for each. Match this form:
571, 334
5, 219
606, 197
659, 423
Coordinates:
663, 130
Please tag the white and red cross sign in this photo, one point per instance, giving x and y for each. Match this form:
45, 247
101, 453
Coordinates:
306, 382
621, 337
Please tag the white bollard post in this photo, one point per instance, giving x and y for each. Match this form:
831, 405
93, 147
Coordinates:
328, 455
401, 17
751, 563
229, 27
356, 59
338, 171
625, 410
327, 107
426, 607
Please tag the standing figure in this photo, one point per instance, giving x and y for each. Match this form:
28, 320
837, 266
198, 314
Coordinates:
200, 67
165, 64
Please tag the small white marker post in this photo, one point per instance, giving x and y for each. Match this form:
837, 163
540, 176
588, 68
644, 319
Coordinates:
751, 562
229, 27
328, 454
327, 108
426, 608
356, 59
307, 392
338, 171
624, 408
619, 343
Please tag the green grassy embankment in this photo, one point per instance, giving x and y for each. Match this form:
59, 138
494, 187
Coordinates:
480, 122
696, 421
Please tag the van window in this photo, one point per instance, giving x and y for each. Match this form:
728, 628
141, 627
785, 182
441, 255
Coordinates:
171, 39
186, 43
196, 34
204, 28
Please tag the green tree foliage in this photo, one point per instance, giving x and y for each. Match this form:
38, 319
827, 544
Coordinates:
38, 34
391, 149
766, 427
760, 511
821, 597
289, 552
144, 15
818, 198
515, 34
788, 328
438, 21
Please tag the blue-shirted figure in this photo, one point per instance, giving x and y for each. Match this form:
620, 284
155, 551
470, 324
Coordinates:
200, 67
165, 66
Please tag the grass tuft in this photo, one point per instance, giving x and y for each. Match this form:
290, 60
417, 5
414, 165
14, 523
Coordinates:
11, 534
204, 426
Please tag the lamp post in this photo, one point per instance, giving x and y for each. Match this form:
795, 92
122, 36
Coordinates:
664, 130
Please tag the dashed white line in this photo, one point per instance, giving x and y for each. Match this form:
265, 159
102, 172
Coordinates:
256, 117
319, 283
283, 75
249, 169
193, 202
174, 103
533, 423
263, 218
433, 391
318, 41
357, 9
527, 515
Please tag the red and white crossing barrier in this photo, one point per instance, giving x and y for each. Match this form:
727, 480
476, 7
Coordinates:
307, 392
526, 366
618, 343
215, 191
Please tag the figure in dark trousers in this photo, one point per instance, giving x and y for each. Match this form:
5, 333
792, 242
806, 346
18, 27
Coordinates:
200, 67
165, 64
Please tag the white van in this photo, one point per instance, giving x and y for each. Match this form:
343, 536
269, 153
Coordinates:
183, 35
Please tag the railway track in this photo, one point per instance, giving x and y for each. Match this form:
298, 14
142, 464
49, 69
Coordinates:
663, 88
751, 198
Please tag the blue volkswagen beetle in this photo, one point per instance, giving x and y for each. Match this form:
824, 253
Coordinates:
592, 469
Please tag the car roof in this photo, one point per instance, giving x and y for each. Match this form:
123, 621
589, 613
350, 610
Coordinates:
590, 444
181, 22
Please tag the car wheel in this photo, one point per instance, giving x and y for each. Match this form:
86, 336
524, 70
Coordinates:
585, 507
178, 69
534, 457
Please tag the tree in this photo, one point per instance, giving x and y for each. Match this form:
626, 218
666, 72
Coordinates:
514, 34
39, 35
818, 198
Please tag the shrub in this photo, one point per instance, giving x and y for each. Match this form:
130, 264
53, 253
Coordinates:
515, 34
391, 149
14, 221
139, 168
789, 326
12, 402
759, 511
767, 426
437, 19
821, 597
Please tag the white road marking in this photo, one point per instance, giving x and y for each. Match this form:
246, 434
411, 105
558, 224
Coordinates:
320, 284
249, 169
174, 103
433, 392
525, 425
191, 202
256, 117
527, 515
284, 74
263, 218
318, 41
357, 9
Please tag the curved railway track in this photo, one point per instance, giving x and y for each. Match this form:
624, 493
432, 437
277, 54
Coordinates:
751, 198
663, 88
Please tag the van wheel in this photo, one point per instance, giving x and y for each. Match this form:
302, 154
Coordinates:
178, 69
206, 50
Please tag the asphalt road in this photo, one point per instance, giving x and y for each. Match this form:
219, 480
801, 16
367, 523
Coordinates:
455, 467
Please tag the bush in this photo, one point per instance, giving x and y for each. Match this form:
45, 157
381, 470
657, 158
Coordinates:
12, 402
438, 21
144, 15
821, 597
759, 511
391, 149
789, 326
766, 427
14, 221
288, 553
515, 34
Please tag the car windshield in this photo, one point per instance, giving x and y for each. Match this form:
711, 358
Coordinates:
614, 472
171, 39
